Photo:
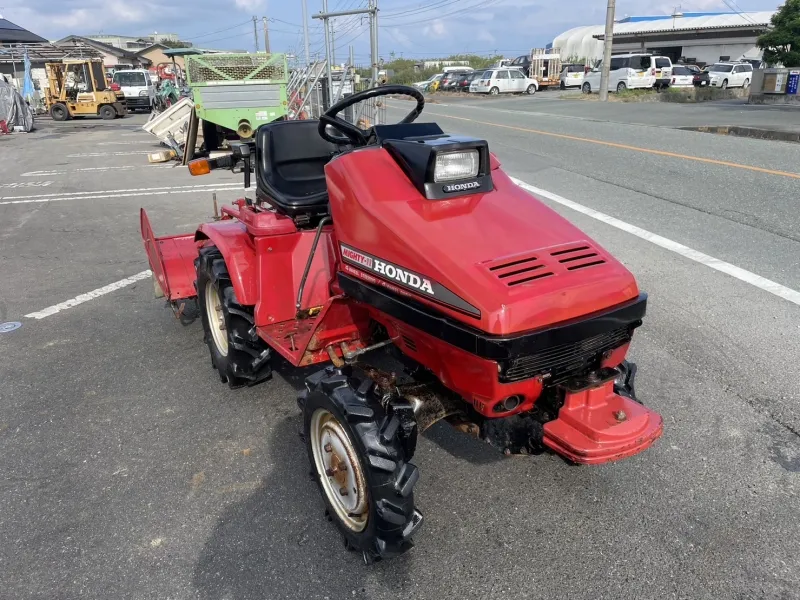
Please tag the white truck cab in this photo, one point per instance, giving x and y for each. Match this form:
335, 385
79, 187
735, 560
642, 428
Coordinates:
138, 88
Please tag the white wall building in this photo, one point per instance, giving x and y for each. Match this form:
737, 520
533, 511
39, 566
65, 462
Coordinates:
695, 37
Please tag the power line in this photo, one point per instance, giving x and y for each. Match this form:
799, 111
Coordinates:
482, 4
734, 7
420, 9
230, 37
351, 40
218, 31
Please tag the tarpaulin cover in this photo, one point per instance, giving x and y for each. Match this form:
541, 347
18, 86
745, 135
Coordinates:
13, 109
27, 83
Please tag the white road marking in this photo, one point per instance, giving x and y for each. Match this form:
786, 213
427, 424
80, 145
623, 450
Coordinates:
123, 168
130, 143
761, 283
106, 289
119, 193
85, 154
26, 184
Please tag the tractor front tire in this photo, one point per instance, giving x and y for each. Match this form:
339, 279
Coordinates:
237, 353
359, 450
107, 112
59, 112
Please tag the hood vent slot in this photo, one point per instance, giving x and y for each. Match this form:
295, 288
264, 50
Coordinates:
578, 257
516, 270
409, 343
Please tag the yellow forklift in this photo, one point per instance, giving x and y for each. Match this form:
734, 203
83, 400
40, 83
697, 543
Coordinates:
78, 88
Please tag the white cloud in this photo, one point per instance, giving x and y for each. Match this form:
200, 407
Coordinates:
400, 37
485, 36
249, 5
435, 29
482, 17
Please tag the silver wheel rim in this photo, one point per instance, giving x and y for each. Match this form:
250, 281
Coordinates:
216, 320
339, 470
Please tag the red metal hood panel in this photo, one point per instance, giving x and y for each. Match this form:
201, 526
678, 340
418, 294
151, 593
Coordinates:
506, 253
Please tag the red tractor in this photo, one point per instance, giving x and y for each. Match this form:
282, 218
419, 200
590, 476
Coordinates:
435, 287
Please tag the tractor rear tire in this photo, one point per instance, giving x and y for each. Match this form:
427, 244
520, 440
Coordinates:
59, 112
371, 500
237, 353
107, 112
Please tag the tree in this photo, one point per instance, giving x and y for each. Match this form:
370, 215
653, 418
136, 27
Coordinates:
170, 44
781, 44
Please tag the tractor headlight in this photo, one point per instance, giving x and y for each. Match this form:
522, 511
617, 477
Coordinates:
451, 166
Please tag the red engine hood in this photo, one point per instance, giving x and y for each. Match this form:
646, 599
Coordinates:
517, 261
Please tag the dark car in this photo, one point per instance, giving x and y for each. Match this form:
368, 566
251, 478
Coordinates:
701, 79
450, 80
522, 62
463, 82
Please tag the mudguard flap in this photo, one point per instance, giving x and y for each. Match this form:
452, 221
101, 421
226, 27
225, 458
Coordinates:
171, 260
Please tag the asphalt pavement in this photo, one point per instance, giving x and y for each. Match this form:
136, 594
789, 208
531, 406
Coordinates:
129, 471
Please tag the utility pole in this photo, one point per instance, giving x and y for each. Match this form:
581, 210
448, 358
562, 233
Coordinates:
333, 42
374, 41
266, 34
327, 50
255, 32
608, 40
305, 31
373, 4
372, 11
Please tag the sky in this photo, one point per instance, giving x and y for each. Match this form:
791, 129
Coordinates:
408, 28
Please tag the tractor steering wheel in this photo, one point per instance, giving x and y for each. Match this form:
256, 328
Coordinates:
352, 134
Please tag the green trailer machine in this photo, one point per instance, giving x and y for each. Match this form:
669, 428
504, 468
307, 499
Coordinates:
235, 93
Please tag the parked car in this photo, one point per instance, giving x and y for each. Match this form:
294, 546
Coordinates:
424, 84
523, 63
501, 81
701, 79
466, 79
756, 63
429, 84
682, 77
628, 72
725, 75
138, 88
572, 76
663, 66
449, 81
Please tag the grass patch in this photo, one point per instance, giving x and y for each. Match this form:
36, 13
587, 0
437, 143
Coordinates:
646, 95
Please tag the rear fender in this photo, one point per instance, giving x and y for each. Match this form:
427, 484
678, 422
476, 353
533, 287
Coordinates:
236, 246
171, 260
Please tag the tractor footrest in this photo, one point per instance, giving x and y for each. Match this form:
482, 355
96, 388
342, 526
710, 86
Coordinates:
597, 425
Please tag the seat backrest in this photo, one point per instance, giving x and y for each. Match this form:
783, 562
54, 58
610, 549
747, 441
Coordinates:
290, 166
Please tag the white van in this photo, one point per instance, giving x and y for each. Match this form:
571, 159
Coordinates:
138, 88
456, 69
628, 72
501, 81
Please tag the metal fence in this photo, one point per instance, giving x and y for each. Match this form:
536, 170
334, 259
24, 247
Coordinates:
309, 98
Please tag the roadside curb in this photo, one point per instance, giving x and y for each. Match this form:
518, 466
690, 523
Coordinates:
751, 132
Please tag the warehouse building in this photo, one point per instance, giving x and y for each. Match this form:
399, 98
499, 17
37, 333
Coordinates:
698, 38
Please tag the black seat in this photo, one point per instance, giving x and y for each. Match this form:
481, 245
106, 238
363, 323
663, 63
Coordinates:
290, 167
